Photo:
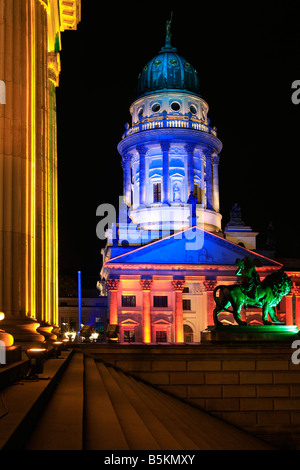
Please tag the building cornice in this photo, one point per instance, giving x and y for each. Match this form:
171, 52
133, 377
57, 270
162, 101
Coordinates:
173, 134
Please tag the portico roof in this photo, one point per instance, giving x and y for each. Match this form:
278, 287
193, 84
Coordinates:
193, 247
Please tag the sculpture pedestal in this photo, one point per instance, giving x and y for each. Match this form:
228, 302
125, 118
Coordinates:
249, 333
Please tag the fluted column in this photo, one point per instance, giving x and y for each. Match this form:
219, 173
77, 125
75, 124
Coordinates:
113, 285
146, 285
142, 150
189, 148
178, 286
18, 167
165, 146
209, 286
209, 180
126, 165
29, 67
216, 198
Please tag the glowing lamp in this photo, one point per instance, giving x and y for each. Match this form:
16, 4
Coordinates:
5, 338
58, 346
37, 358
94, 337
112, 333
71, 335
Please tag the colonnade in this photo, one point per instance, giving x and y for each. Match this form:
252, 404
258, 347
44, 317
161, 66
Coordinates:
29, 67
209, 166
176, 287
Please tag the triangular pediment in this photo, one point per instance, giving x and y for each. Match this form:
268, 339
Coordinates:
192, 246
161, 322
129, 321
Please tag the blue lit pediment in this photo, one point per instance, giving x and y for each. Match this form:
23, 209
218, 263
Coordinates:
191, 246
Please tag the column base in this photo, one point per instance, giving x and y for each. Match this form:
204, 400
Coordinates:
23, 330
6, 339
47, 331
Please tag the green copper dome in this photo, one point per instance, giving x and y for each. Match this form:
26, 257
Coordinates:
168, 71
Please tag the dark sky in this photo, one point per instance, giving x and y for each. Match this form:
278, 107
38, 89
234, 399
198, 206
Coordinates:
247, 57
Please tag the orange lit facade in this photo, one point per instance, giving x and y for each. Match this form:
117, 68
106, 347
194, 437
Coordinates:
163, 291
30, 41
167, 251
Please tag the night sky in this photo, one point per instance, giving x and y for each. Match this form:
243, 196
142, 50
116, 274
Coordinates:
247, 58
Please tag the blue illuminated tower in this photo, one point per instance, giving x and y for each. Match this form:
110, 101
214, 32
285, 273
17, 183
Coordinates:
170, 151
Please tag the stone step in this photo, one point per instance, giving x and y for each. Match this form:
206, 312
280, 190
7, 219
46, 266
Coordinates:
192, 428
102, 429
135, 431
25, 400
181, 419
151, 419
60, 426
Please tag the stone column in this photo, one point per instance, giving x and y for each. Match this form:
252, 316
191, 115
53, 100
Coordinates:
126, 165
296, 293
189, 148
209, 286
142, 150
209, 181
146, 285
178, 286
165, 146
18, 119
289, 309
113, 285
216, 198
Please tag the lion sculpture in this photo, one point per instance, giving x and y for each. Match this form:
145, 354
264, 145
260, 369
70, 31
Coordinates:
252, 292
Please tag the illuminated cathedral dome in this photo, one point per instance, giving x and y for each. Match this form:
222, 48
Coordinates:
168, 71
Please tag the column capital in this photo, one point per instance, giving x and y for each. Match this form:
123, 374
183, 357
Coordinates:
178, 284
209, 285
146, 284
113, 284
295, 289
189, 147
216, 159
54, 67
126, 157
165, 145
142, 149
208, 153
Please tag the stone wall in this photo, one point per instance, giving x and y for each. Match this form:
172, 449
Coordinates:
254, 387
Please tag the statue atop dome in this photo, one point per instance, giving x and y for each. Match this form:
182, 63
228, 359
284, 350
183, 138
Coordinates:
168, 31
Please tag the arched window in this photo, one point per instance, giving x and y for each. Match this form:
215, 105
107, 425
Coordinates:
188, 334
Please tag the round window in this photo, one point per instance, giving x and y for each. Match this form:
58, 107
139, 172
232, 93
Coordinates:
156, 107
175, 106
193, 109
173, 62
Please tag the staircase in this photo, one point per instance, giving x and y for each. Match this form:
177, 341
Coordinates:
99, 407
